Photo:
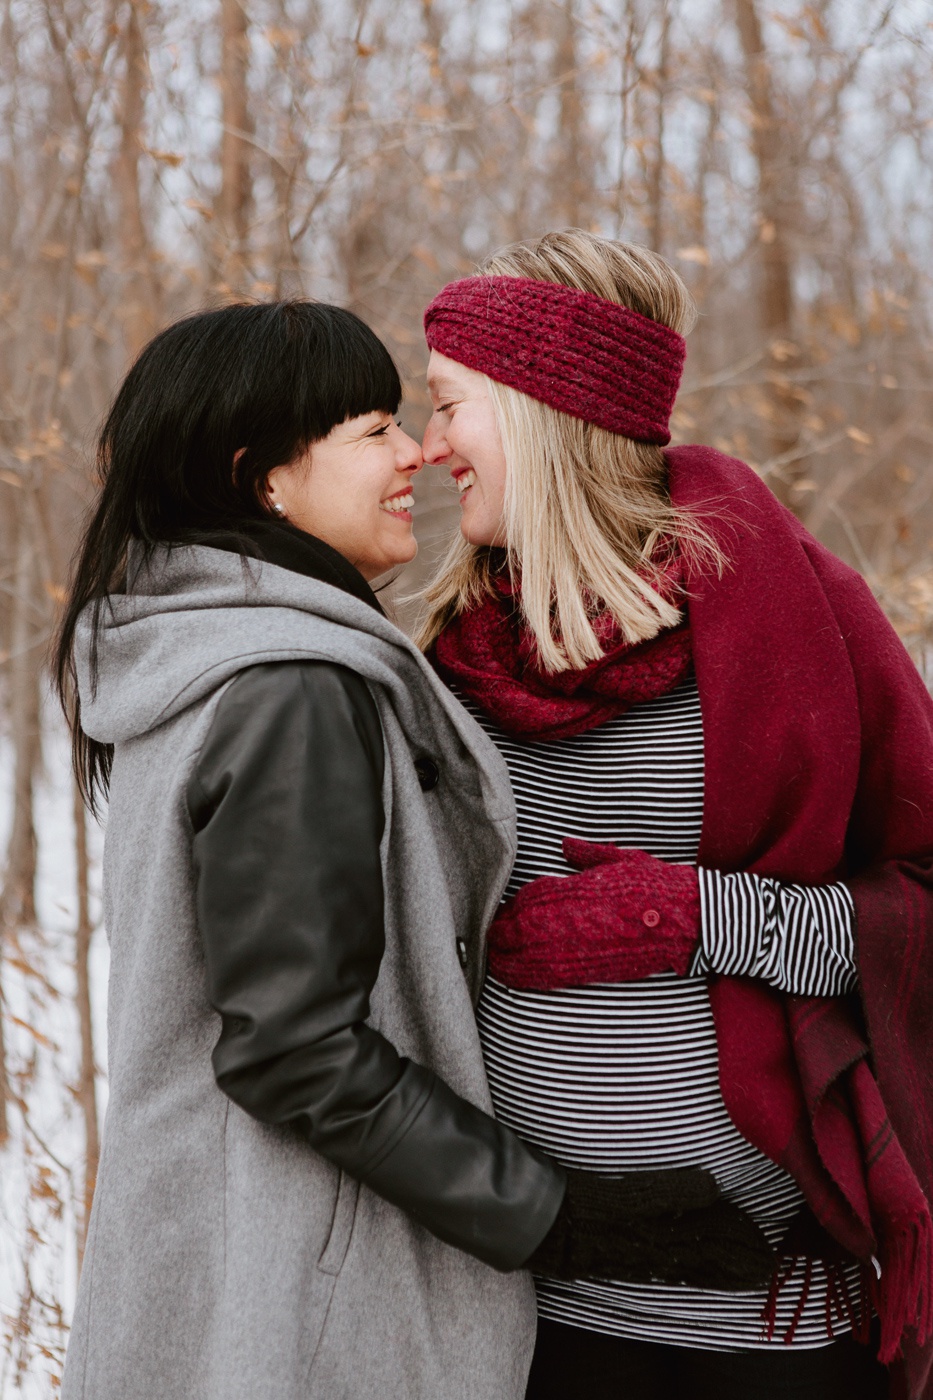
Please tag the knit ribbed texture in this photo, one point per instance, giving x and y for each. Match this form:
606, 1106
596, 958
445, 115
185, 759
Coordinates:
487, 655
668, 1226
578, 352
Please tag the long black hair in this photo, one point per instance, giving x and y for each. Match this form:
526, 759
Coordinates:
262, 381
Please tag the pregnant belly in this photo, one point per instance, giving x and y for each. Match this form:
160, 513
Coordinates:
623, 1077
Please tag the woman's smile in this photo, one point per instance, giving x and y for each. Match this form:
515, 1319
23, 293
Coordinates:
399, 505
464, 478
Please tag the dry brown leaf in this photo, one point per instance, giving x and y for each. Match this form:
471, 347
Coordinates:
173, 158
424, 255
783, 350
696, 253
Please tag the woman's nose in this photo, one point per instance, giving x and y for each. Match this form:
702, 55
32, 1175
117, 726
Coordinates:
434, 447
408, 456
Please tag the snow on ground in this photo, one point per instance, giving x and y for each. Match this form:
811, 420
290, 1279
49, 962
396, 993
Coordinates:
41, 1168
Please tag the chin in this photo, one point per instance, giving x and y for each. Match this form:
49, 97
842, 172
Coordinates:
475, 535
402, 558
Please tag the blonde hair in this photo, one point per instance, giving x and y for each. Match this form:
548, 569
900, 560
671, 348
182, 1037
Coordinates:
588, 520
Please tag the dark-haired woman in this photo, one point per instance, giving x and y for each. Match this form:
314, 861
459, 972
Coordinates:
302, 1192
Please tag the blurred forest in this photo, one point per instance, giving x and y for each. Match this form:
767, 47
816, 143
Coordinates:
158, 156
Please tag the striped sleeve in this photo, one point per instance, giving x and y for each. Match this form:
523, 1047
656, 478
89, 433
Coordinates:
798, 938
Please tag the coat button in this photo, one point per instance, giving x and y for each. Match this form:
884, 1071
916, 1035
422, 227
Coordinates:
428, 773
462, 953
651, 918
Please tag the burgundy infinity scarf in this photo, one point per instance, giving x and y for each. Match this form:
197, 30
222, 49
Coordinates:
818, 740
487, 654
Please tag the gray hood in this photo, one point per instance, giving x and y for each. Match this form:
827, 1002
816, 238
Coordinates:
194, 616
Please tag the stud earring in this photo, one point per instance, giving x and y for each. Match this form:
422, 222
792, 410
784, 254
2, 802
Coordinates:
278, 507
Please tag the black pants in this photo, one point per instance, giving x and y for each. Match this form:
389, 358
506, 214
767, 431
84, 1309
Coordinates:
573, 1364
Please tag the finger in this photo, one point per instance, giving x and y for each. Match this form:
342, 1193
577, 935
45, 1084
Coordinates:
689, 1188
667, 1192
585, 854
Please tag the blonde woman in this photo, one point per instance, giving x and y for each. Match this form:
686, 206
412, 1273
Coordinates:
722, 761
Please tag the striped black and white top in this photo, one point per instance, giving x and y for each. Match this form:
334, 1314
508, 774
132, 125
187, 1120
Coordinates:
625, 1076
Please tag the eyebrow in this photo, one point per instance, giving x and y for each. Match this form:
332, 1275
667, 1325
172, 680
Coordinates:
441, 385
364, 432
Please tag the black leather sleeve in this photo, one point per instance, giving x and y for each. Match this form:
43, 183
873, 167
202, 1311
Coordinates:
286, 804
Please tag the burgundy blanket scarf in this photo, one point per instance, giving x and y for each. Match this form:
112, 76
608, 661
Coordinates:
819, 766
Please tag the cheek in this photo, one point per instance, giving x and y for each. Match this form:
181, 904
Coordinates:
364, 486
472, 440
491, 478
345, 500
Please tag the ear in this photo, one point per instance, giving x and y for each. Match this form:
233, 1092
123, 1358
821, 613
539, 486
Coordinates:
270, 486
237, 457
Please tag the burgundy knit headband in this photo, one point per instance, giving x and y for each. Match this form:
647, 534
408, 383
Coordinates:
578, 352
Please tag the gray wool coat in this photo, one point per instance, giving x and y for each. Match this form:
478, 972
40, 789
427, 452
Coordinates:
226, 1259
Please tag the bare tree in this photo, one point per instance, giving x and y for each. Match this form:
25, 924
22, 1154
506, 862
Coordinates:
233, 204
655, 192
773, 146
87, 1072
572, 189
140, 280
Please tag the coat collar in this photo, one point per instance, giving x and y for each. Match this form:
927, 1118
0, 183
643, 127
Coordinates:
278, 542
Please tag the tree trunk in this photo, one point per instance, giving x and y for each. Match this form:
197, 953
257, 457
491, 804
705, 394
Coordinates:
235, 188
572, 190
140, 303
18, 901
773, 153
87, 1081
18, 897
656, 170
4, 1073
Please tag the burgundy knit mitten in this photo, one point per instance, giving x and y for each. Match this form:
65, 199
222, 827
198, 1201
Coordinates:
625, 916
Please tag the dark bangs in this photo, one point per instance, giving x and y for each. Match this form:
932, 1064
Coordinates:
217, 400
357, 376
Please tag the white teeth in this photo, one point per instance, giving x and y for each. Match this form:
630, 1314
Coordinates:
397, 503
465, 480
